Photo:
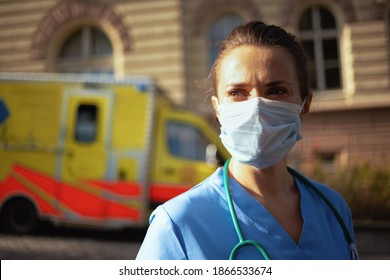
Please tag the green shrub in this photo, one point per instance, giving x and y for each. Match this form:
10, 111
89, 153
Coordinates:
365, 188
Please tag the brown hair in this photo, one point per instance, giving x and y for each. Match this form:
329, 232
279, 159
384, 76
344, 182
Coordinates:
258, 33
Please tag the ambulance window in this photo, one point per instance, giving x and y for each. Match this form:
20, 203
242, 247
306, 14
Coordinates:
186, 141
86, 123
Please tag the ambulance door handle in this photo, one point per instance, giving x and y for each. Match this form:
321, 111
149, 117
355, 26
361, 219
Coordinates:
69, 154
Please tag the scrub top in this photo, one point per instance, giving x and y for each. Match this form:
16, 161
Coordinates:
197, 225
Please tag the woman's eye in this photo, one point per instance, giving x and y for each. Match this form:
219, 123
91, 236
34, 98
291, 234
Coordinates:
236, 93
277, 91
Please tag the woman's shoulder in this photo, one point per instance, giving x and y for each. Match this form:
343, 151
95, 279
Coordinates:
179, 222
200, 198
335, 198
327, 190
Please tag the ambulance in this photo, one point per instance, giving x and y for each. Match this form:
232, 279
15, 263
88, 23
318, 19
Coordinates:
93, 150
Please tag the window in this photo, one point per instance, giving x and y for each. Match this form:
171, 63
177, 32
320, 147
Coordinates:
186, 141
219, 31
318, 33
86, 123
4, 113
86, 50
328, 160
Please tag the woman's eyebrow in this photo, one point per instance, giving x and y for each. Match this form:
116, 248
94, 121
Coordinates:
239, 84
276, 83
268, 84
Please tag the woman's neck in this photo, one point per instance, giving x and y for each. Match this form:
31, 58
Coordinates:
274, 181
276, 190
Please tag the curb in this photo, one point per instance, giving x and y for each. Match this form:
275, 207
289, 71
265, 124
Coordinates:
371, 224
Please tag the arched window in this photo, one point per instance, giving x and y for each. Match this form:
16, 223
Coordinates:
319, 34
87, 50
218, 31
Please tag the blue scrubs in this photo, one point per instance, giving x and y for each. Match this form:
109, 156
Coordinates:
197, 225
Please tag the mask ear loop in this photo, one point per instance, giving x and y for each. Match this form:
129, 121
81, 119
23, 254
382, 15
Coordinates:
242, 242
303, 104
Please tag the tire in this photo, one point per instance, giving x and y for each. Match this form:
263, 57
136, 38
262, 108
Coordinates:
20, 216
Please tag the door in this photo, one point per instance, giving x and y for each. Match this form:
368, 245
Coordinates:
183, 144
84, 158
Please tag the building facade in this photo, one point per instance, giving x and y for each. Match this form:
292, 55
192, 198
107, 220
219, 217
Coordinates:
174, 41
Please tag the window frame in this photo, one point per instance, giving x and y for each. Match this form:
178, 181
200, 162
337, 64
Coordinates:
86, 62
317, 35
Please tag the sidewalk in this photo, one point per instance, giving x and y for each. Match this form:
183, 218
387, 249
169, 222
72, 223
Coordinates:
371, 224
373, 240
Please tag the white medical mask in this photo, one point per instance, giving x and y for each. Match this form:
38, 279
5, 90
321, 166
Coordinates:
259, 132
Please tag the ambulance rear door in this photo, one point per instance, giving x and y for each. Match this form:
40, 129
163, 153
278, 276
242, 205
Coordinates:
85, 138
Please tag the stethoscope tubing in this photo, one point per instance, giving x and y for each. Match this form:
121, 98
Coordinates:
243, 242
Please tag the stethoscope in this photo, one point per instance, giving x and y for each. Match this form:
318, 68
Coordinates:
245, 242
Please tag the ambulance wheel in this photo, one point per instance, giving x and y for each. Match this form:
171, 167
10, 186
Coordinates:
20, 216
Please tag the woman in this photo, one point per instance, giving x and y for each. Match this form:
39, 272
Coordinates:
261, 92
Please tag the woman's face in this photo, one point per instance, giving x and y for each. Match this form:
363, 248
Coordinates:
255, 71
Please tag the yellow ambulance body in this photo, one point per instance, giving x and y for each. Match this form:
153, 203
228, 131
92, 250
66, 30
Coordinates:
93, 150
